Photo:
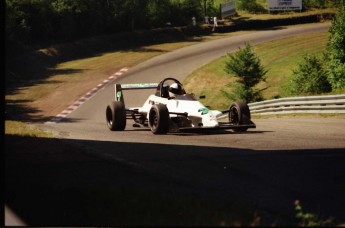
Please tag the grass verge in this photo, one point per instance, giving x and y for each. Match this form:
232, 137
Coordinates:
22, 129
279, 57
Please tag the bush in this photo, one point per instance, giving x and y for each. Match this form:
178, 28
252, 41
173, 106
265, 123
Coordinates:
251, 6
310, 219
320, 4
336, 74
309, 78
335, 54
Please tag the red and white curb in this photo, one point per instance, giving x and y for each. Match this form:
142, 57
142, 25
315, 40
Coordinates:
86, 97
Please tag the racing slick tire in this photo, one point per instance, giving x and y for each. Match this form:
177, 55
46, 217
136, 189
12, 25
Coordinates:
159, 119
239, 113
116, 116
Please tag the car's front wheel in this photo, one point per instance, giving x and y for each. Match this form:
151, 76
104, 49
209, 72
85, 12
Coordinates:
238, 114
159, 119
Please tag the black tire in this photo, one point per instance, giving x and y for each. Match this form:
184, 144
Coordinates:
239, 114
159, 119
116, 116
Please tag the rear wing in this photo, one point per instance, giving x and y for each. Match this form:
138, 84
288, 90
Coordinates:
120, 87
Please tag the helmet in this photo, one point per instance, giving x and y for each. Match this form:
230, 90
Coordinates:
175, 89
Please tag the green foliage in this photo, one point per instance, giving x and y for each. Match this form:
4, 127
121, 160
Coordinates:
32, 21
309, 78
320, 4
251, 6
159, 12
314, 75
246, 66
212, 7
239, 92
307, 4
336, 42
335, 55
309, 219
336, 74
21, 15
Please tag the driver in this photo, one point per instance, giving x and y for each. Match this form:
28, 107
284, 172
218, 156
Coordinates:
175, 89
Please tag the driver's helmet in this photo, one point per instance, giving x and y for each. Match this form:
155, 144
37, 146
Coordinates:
175, 89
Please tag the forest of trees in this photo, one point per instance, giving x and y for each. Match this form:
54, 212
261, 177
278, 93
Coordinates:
33, 21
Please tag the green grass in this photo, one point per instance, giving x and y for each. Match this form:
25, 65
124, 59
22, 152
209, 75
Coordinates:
279, 57
23, 129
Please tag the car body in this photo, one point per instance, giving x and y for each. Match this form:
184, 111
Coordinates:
163, 113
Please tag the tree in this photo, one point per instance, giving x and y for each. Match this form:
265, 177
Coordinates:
246, 66
335, 54
39, 21
210, 8
309, 78
159, 13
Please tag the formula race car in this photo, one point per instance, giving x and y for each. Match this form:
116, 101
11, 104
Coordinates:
171, 109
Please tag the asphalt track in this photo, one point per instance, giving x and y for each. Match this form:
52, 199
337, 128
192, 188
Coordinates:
269, 167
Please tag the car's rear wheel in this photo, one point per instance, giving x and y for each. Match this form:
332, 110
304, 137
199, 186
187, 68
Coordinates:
238, 114
159, 119
116, 116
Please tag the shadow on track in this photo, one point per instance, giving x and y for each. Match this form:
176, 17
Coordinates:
59, 182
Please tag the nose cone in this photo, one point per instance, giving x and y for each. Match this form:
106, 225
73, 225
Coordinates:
210, 120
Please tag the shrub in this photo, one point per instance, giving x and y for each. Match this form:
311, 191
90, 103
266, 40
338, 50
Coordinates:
335, 54
251, 6
309, 219
309, 78
246, 66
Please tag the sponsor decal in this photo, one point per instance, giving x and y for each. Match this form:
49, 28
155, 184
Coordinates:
118, 95
139, 86
284, 5
203, 111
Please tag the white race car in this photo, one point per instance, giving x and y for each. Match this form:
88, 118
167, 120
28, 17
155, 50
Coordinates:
171, 109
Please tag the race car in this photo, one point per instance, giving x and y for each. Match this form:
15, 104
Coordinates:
170, 109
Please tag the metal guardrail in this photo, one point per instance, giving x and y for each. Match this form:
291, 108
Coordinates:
331, 104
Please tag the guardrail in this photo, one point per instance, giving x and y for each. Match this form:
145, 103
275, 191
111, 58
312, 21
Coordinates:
331, 104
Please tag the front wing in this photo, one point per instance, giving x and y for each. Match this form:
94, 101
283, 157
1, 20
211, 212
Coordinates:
222, 126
